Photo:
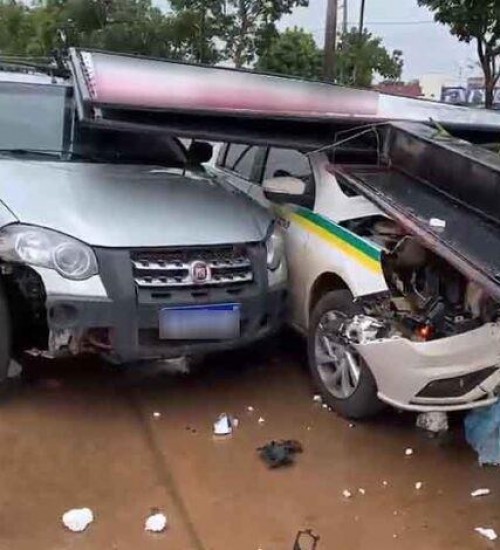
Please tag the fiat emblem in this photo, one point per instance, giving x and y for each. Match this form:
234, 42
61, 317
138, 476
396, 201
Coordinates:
200, 272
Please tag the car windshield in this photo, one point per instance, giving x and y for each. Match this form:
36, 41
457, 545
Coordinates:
32, 117
39, 120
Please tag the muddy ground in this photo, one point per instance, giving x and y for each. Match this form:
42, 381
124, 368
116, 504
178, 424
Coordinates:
76, 434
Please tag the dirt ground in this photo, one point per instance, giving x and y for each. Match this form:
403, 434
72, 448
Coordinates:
78, 434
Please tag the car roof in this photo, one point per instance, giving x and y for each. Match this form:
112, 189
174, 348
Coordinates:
28, 77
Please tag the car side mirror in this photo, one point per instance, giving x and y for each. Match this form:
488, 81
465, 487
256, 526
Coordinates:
284, 189
199, 152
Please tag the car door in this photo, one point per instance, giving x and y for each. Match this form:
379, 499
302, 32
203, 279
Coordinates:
280, 162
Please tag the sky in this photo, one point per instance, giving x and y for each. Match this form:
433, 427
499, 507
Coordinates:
427, 46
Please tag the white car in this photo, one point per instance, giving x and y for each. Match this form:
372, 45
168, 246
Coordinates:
362, 289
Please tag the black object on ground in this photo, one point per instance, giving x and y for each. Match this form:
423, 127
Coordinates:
305, 540
280, 453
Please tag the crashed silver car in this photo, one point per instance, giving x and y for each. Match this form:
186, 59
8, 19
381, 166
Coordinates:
118, 243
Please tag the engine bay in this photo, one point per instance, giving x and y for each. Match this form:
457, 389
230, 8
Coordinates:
429, 298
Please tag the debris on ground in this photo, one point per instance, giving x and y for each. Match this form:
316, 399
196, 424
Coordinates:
438, 223
480, 493
78, 519
346, 493
435, 422
482, 432
418, 485
280, 453
156, 523
351, 425
409, 451
225, 424
306, 540
261, 420
156, 414
487, 533
250, 409
361, 491
317, 398
385, 483
325, 406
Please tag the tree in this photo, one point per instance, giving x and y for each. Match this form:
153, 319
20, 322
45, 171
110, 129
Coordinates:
471, 20
249, 27
198, 25
360, 58
294, 53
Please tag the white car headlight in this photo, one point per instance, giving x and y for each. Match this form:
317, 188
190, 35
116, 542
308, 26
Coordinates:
45, 248
275, 248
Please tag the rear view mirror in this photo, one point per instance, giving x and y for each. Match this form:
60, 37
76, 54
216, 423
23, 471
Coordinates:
284, 189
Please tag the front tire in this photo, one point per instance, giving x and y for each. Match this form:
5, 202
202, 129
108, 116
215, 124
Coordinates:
341, 375
5, 336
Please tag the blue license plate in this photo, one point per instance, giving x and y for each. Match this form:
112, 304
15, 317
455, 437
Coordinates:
213, 322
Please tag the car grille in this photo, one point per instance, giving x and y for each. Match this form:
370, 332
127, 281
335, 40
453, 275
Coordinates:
174, 268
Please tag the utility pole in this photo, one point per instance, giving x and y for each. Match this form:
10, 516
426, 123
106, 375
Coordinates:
361, 19
345, 17
330, 40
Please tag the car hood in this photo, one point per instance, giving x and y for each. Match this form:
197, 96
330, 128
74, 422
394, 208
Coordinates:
128, 205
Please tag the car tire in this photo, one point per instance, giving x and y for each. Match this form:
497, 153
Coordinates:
5, 336
357, 398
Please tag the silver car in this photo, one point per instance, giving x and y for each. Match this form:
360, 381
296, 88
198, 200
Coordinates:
119, 243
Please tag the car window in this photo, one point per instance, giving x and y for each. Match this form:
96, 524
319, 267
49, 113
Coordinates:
241, 159
287, 162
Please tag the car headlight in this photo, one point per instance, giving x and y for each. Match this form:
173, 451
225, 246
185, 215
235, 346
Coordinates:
45, 248
275, 248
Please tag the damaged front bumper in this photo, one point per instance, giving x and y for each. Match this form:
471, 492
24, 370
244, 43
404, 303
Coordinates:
455, 373
109, 315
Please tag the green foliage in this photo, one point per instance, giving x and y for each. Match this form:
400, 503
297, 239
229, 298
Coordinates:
359, 58
474, 20
293, 53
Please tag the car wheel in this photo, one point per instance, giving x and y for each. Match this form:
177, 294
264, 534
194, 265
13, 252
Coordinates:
5, 336
341, 375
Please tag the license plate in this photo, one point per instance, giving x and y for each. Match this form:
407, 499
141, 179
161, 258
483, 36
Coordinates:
217, 322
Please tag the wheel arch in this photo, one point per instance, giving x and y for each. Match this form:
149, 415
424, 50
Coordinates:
326, 282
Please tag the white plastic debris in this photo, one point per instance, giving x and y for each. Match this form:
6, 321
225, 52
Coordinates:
418, 485
409, 451
385, 483
317, 398
14, 370
78, 519
351, 425
436, 222
156, 523
156, 414
250, 409
361, 491
235, 422
261, 420
480, 493
223, 425
346, 493
324, 406
486, 532
434, 422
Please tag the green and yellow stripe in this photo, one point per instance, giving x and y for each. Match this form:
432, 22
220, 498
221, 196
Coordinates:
342, 239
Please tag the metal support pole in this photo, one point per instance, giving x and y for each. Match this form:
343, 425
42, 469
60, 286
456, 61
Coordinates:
330, 40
